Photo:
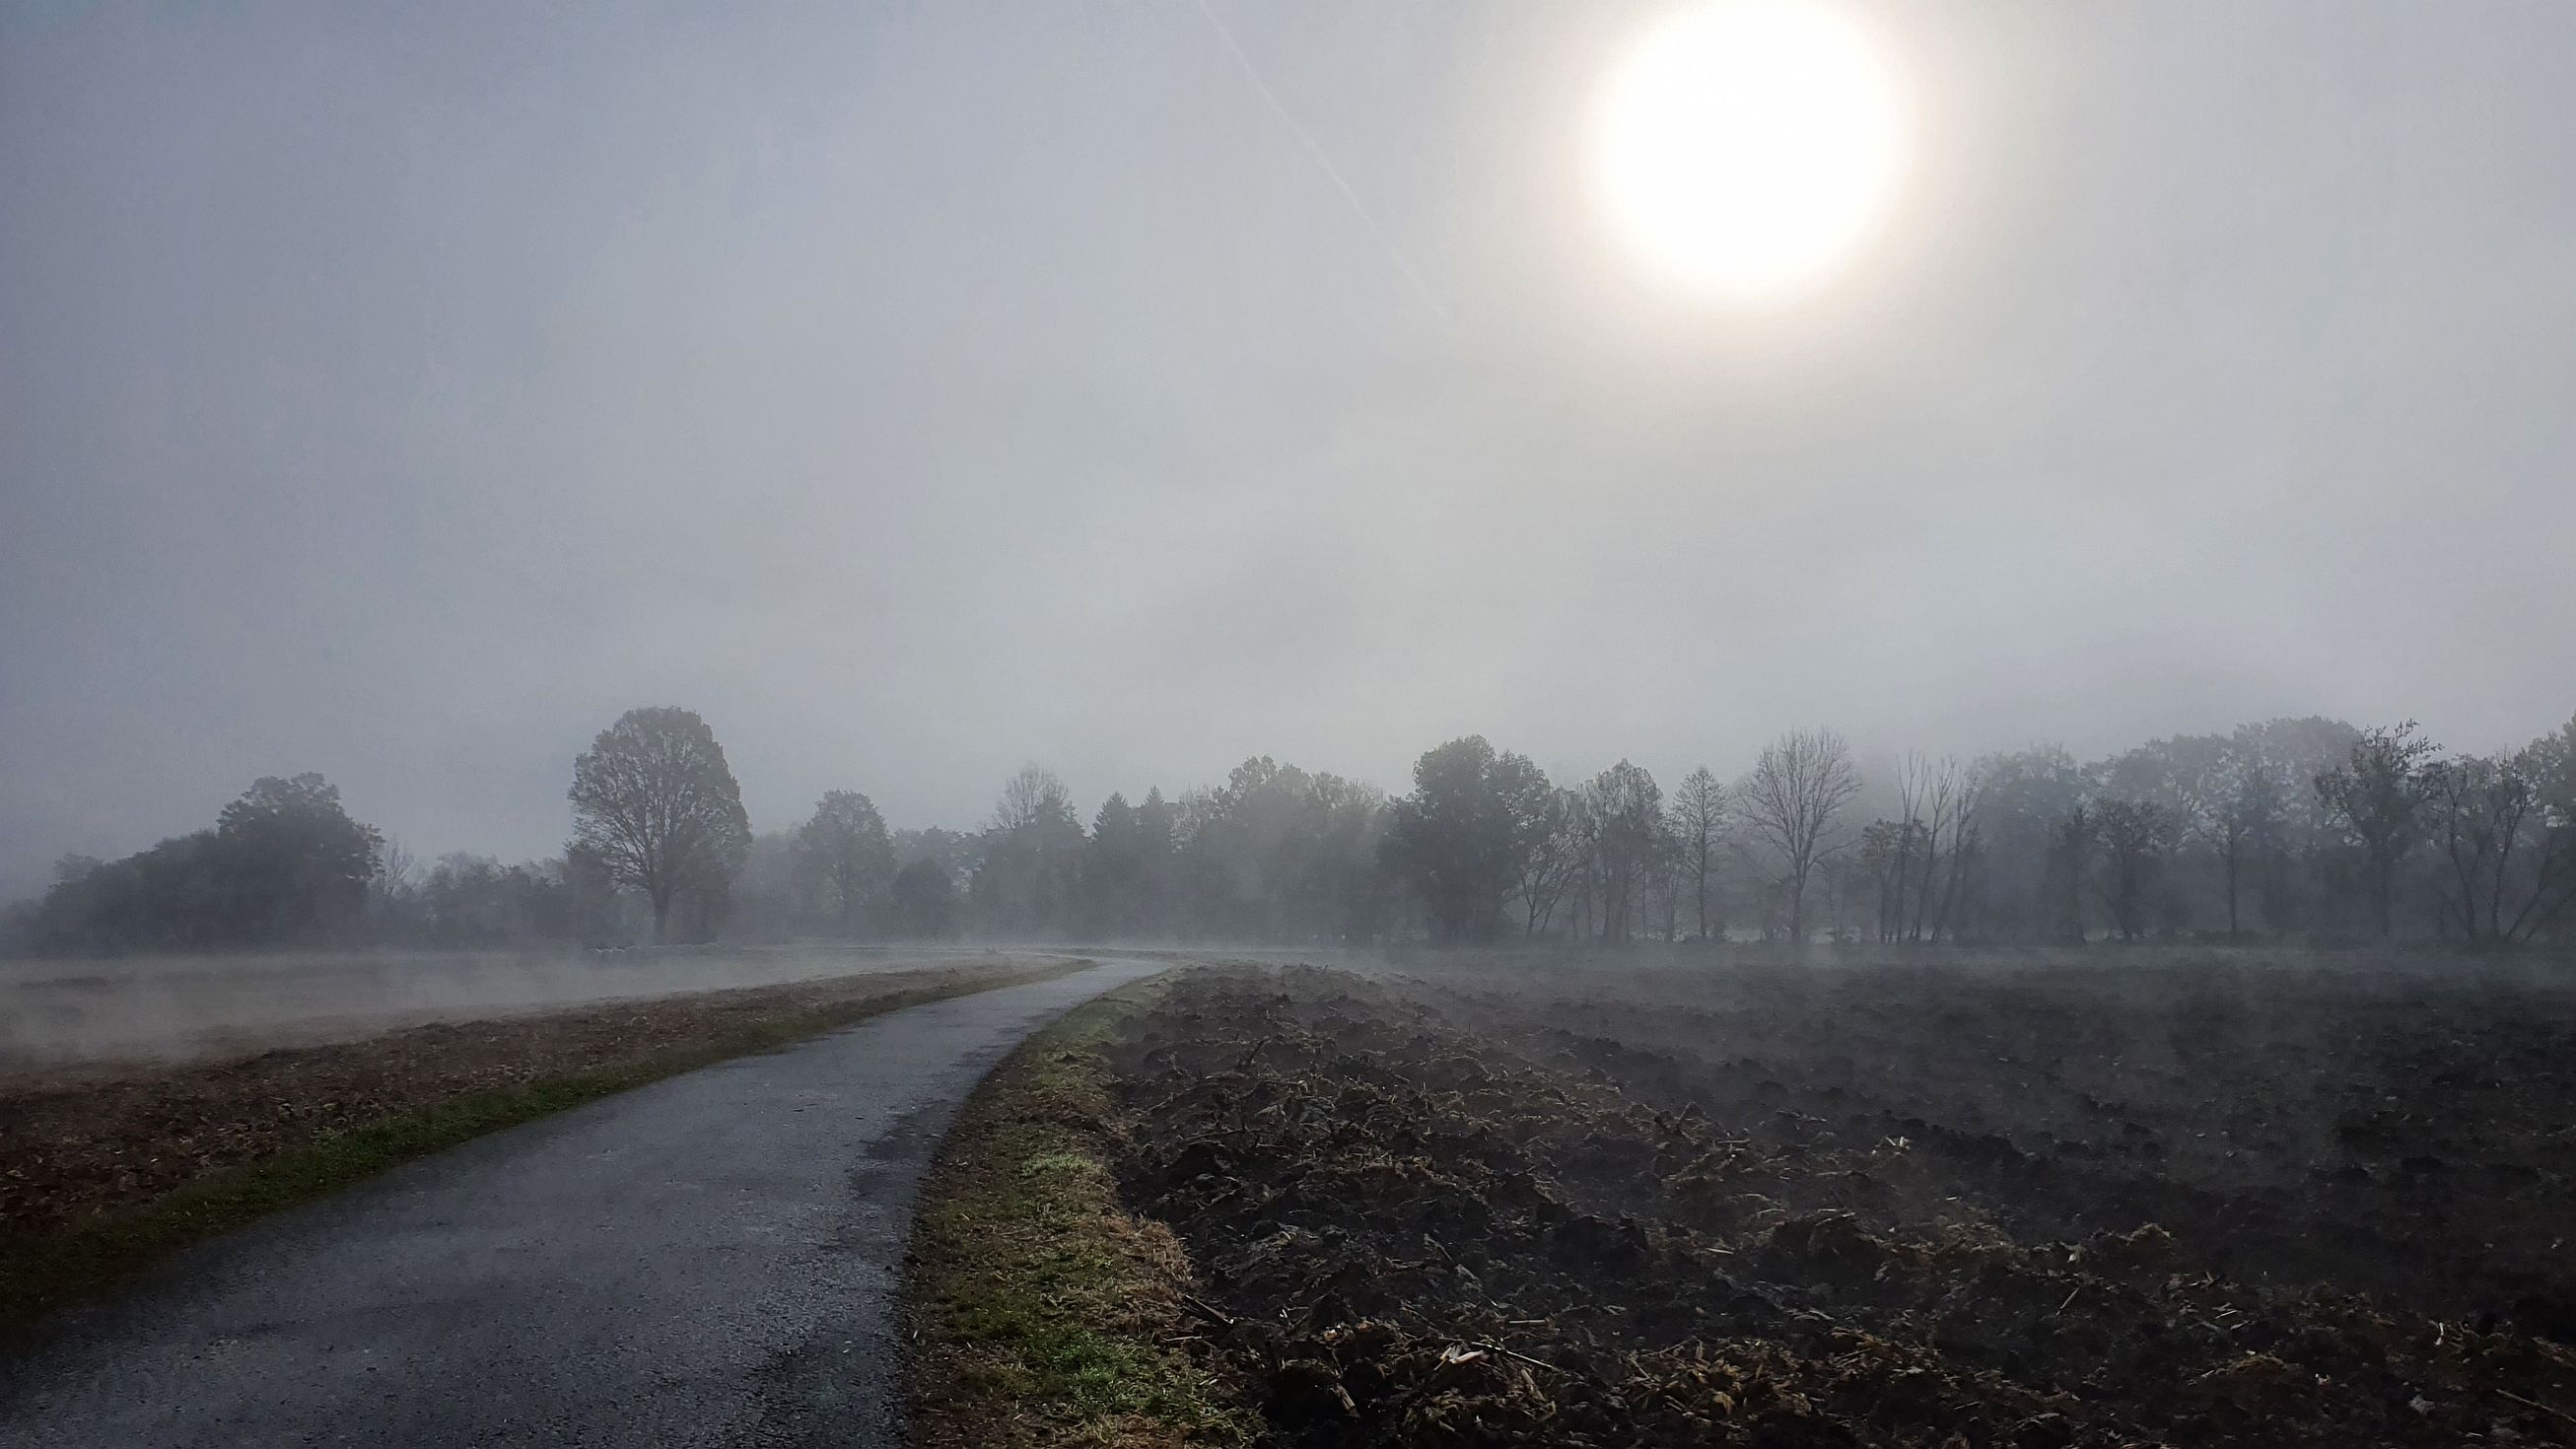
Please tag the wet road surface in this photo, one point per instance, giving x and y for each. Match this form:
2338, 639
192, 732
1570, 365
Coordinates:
709, 1260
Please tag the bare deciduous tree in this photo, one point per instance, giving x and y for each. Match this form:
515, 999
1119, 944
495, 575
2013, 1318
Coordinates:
1918, 857
1949, 842
655, 803
2508, 867
1797, 790
2377, 796
1548, 865
2239, 811
1699, 812
1031, 798
1562, 854
1627, 809
2133, 835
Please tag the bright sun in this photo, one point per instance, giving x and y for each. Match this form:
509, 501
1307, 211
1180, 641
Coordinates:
1749, 148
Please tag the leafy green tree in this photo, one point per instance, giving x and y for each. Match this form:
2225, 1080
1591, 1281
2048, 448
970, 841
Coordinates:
655, 803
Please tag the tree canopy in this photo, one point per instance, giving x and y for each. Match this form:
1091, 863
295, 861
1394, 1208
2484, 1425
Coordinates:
654, 801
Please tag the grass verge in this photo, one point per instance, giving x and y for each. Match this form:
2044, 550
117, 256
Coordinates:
1039, 1314
43, 1272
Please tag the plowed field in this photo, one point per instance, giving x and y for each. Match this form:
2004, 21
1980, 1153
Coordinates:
1870, 1207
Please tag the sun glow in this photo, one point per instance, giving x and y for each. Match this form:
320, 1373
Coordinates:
1748, 149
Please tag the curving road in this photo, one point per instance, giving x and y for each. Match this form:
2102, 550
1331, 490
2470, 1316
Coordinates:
710, 1260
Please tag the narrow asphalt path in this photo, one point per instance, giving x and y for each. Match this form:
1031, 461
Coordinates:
709, 1260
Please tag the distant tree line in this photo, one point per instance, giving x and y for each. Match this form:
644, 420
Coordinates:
2292, 829
283, 862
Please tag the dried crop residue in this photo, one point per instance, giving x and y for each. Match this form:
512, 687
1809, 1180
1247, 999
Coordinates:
1414, 1234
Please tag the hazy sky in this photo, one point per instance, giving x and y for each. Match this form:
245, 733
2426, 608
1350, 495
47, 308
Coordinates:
401, 392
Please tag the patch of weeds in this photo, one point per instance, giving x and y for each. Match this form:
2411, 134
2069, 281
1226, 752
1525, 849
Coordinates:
1040, 1313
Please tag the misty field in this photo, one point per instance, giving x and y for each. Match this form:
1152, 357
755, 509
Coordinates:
64, 1013
107, 1166
2038, 1204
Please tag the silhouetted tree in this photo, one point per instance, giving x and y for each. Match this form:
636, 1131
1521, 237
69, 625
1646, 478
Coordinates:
2550, 763
1561, 841
1628, 839
1126, 875
845, 848
2509, 859
2377, 797
283, 863
291, 858
1699, 814
654, 802
475, 900
1277, 853
2011, 889
595, 911
2133, 836
1943, 800
1886, 848
1797, 791
2070, 849
924, 898
1032, 857
1460, 840
2241, 815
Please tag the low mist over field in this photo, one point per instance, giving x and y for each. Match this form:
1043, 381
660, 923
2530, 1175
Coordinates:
2105, 402
182, 1006
1376, 723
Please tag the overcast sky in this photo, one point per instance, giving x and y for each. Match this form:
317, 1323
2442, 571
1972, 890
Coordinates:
401, 392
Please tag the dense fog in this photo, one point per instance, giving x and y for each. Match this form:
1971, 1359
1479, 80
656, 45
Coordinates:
913, 393
2297, 829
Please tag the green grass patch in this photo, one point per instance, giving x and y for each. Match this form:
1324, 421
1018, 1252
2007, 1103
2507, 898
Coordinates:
1041, 1314
41, 1274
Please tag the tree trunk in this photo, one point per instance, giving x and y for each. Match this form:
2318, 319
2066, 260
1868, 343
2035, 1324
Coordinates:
2231, 894
661, 918
2384, 873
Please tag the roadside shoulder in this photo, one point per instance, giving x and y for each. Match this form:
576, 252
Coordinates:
1037, 1312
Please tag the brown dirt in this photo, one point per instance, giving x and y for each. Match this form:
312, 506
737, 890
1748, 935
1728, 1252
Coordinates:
98, 1143
1908, 1208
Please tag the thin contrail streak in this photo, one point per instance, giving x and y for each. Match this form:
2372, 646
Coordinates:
1325, 164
